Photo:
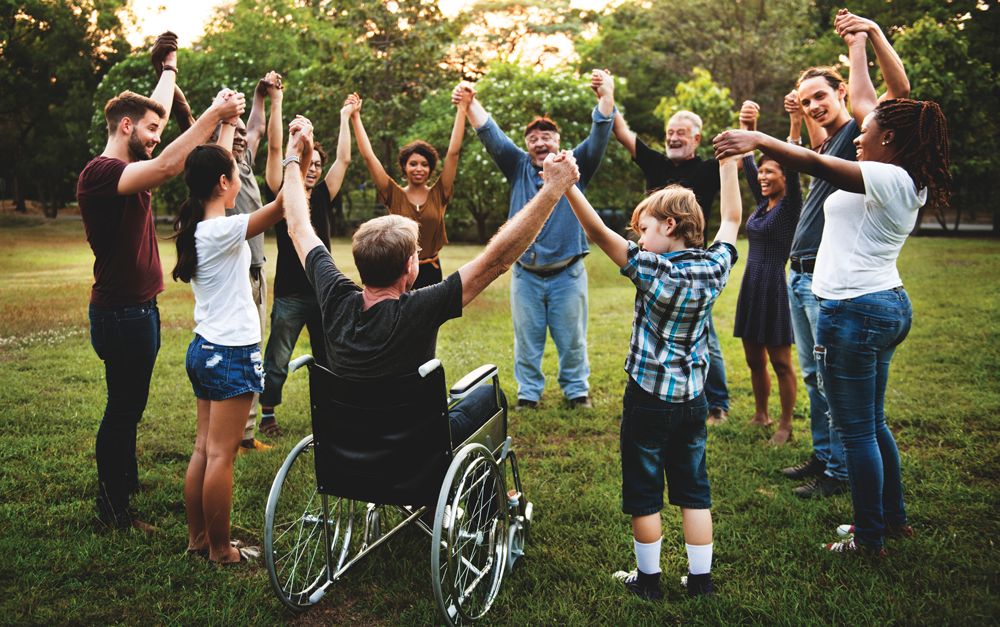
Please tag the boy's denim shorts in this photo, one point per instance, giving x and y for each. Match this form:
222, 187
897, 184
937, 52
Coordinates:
663, 439
221, 372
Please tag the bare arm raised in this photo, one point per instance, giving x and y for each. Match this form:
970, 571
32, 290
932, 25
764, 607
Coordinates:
272, 170
856, 31
164, 53
731, 206
142, 175
365, 148
450, 166
335, 175
474, 110
513, 238
300, 229
256, 123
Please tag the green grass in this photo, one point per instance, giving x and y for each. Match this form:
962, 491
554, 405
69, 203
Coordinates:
943, 406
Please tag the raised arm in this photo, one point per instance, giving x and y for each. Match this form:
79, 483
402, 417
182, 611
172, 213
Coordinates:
272, 213
300, 229
840, 173
510, 242
143, 175
590, 152
273, 171
365, 148
897, 85
450, 166
613, 244
731, 207
256, 123
622, 133
474, 110
227, 132
498, 146
335, 175
605, 89
164, 54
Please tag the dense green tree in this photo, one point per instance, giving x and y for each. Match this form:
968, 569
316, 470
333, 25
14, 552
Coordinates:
53, 54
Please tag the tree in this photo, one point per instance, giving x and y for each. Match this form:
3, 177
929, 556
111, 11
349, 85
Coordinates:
514, 95
52, 56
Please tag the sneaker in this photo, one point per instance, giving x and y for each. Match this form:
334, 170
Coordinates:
891, 531
699, 585
523, 404
253, 445
646, 587
821, 486
812, 468
717, 416
849, 547
580, 402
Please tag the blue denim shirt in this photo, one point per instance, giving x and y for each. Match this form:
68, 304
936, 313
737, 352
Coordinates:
562, 236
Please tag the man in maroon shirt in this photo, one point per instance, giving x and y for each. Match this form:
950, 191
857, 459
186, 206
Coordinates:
114, 196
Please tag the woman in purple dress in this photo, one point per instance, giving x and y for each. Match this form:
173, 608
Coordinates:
763, 318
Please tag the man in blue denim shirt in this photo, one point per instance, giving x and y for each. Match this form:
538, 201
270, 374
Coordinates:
548, 288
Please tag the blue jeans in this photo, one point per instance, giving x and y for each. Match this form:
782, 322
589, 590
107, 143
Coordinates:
559, 304
472, 412
288, 315
716, 389
855, 340
127, 340
661, 439
805, 313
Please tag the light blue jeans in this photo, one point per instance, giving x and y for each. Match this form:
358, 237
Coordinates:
805, 316
855, 341
716, 389
559, 304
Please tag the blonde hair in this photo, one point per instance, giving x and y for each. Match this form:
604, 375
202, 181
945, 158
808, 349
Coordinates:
678, 203
381, 248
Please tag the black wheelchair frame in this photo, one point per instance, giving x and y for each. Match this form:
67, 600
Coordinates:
337, 495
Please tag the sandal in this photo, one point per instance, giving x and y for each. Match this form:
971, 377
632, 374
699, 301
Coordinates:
203, 553
247, 554
270, 428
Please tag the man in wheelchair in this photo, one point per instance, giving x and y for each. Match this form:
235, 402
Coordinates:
383, 329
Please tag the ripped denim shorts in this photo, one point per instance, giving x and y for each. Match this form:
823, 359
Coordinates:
221, 372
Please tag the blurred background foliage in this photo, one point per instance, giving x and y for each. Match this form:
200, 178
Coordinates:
61, 60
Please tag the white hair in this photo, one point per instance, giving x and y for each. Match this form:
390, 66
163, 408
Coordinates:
691, 118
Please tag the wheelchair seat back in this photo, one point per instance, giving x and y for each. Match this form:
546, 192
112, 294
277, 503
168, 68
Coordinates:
382, 441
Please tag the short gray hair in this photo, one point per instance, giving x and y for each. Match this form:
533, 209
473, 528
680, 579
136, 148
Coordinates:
691, 118
381, 248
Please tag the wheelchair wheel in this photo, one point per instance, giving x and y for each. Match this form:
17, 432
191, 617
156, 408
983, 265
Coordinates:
469, 545
299, 522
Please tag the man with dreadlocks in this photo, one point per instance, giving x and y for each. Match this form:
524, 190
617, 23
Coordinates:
864, 311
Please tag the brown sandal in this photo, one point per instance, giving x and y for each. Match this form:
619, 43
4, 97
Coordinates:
270, 428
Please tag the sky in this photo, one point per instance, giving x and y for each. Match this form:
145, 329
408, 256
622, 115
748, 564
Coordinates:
187, 17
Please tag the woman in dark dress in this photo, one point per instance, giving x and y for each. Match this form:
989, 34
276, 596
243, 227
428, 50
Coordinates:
763, 318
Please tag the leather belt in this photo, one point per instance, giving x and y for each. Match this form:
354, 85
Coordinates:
803, 265
550, 273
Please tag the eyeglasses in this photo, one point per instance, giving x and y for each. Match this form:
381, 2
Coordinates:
418, 250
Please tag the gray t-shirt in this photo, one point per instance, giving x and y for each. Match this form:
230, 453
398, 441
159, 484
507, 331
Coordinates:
392, 338
809, 232
248, 201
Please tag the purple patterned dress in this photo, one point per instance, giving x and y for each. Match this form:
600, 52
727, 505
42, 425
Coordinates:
762, 312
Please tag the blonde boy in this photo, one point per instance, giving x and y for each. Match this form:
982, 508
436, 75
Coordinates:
663, 419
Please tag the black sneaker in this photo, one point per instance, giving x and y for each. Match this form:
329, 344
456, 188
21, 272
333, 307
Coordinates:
823, 485
699, 585
646, 587
811, 468
580, 402
523, 404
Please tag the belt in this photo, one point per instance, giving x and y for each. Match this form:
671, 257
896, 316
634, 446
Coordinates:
803, 265
434, 261
550, 273
255, 272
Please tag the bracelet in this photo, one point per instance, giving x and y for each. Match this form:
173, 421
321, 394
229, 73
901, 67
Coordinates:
169, 68
797, 142
287, 160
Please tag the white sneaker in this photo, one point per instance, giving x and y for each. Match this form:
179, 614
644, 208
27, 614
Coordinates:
845, 530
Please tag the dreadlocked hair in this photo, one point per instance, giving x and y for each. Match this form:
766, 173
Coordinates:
922, 133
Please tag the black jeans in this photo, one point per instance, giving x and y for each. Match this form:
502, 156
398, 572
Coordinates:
127, 340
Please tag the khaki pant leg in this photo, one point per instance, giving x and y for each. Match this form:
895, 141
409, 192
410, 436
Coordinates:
259, 289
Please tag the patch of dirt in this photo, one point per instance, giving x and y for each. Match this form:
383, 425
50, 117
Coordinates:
326, 613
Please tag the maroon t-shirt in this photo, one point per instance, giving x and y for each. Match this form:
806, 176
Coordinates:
121, 233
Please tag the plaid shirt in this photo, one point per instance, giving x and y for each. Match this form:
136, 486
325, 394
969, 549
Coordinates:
668, 353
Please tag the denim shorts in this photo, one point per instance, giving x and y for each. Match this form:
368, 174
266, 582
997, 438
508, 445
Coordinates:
221, 372
661, 439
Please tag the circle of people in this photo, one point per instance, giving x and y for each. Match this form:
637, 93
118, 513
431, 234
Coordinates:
873, 166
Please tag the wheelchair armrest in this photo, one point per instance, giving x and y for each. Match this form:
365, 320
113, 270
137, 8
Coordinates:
429, 367
472, 380
295, 364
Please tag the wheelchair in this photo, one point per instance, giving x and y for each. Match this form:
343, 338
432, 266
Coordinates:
379, 458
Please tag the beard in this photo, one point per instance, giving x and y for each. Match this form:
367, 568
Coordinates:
138, 147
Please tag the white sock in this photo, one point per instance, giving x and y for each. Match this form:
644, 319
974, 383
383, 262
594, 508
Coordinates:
647, 556
699, 558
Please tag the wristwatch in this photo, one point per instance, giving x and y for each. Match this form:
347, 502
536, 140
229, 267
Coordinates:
287, 160
797, 142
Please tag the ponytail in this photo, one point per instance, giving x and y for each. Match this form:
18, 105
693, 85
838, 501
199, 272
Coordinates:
191, 213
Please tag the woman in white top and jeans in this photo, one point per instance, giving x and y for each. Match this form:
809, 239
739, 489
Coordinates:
864, 310
224, 360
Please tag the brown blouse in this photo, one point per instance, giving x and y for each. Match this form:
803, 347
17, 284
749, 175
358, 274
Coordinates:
430, 215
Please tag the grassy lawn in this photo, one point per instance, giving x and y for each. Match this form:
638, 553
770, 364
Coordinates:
943, 405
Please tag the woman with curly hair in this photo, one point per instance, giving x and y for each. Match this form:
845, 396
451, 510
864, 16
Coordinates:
864, 311
425, 204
